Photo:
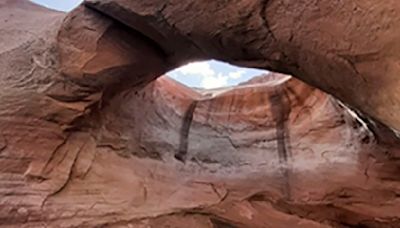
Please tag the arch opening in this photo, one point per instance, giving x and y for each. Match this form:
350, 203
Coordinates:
213, 74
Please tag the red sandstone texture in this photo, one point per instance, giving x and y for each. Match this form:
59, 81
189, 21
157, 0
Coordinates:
89, 138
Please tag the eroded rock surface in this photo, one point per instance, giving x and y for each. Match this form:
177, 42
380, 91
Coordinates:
325, 43
87, 140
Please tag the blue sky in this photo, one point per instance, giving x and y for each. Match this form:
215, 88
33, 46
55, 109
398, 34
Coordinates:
207, 74
212, 74
62, 5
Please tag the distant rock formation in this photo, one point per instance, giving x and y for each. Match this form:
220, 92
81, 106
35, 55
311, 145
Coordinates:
90, 138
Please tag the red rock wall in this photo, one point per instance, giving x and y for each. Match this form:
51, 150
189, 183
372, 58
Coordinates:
87, 141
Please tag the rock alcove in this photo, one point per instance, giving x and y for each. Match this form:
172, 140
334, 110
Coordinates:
90, 138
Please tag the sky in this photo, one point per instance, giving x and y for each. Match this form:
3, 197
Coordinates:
206, 74
61, 5
212, 74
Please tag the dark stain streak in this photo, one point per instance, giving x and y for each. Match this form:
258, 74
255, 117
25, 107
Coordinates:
3, 143
280, 111
230, 108
277, 110
217, 223
209, 110
184, 132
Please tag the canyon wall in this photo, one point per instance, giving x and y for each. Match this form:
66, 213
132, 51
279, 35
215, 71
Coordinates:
89, 137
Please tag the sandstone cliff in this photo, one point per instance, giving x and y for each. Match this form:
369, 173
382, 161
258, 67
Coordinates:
90, 138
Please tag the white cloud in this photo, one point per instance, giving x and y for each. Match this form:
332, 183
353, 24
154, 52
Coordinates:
198, 68
236, 74
214, 81
207, 76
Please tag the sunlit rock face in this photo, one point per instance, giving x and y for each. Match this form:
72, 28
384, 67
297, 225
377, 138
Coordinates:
273, 152
90, 138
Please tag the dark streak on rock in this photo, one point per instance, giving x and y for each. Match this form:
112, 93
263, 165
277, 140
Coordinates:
184, 132
221, 224
280, 111
3, 143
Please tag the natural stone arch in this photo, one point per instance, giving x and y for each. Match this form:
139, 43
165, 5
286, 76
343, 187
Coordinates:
72, 148
324, 43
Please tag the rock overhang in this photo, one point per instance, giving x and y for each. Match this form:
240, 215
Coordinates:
291, 38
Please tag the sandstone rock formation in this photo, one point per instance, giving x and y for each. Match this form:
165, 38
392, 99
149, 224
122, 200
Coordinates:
325, 43
89, 138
